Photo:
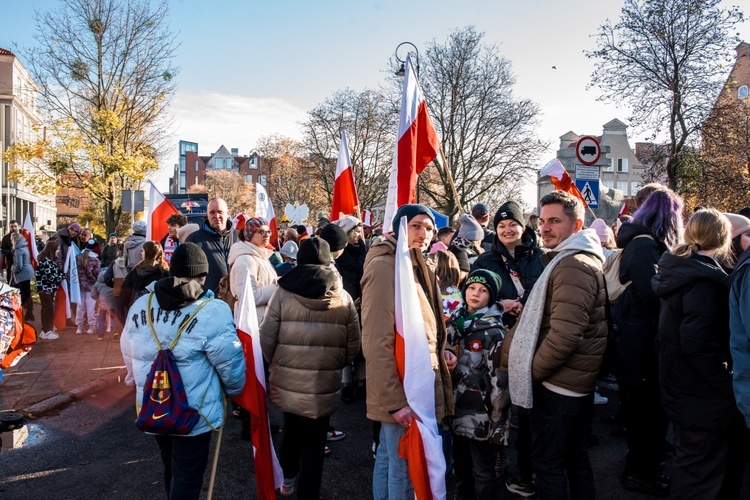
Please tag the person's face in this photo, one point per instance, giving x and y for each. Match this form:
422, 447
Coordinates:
261, 237
355, 235
509, 232
420, 230
172, 230
745, 240
477, 296
556, 226
14, 227
113, 240
217, 215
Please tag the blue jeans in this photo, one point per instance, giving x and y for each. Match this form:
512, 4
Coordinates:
390, 478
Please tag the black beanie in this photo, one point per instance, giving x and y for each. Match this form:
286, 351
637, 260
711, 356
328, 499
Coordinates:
490, 280
462, 256
314, 251
410, 211
188, 261
335, 236
509, 210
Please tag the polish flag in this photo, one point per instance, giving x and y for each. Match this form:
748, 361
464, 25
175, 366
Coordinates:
159, 209
561, 180
366, 218
416, 147
264, 209
421, 445
623, 210
70, 267
62, 306
345, 201
268, 474
239, 221
29, 235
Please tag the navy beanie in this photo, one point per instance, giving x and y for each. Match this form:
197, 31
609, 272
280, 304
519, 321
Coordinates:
410, 211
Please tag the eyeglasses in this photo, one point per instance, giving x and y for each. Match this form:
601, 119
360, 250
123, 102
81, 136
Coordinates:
263, 233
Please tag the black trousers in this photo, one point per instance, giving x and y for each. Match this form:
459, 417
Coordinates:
47, 300
185, 459
302, 451
474, 466
26, 301
559, 431
646, 429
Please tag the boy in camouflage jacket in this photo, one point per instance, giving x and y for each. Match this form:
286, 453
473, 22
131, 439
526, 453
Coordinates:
480, 390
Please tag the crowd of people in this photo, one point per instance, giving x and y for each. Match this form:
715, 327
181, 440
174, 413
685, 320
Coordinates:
518, 320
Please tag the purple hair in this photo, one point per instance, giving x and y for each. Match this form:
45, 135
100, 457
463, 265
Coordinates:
662, 214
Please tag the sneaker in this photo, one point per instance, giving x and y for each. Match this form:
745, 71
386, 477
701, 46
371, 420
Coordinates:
116, 335
501, 462
90, 331
79, 331
287, 488
49, 335
521, 488
334, 435
650, 486
599, 399
326, 451
100, 337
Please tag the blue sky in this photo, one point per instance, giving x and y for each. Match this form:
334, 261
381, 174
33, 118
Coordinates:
252, 68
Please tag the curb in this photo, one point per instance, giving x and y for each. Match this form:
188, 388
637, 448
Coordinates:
65, 398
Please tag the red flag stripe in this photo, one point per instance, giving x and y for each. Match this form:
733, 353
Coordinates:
417, 147
566, 184
345, 201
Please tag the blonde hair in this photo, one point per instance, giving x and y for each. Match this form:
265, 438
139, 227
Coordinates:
446, 269
707, 229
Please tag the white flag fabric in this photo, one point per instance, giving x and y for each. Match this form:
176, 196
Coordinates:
71, 269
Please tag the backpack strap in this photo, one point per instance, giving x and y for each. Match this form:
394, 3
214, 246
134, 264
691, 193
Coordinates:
182, 327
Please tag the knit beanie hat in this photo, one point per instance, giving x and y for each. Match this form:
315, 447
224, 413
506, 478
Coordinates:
462, 256
252, 226
509, 210
470, 229
740, 224
348, 222
602, 230
490, 280
139, 227
301, 230
290, 249
75, 227
113, 234
315, 251
410, 211
91, 244
188, 261
335, 236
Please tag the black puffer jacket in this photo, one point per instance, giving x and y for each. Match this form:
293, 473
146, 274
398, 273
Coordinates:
351, 266
135, 285
526, 261
694, 361
216, 247
636, 312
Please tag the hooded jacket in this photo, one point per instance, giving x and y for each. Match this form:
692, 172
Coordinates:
695, 367
131, 249
243, 257
309, 333
385, 393
22, 268
136, 282
216, 246
208, 354
636, 311
351, 267
739, 325
87, 275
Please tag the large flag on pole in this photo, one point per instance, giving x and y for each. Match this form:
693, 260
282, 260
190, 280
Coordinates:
345, 200
560, 179
421, 445
417, 146
264, 209
268, 473
159, 208
29, 235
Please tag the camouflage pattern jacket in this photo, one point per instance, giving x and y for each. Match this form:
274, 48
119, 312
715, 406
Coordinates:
480, 389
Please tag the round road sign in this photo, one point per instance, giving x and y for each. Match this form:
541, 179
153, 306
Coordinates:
588, 150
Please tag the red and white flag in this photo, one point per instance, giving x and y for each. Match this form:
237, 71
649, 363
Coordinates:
29, 235
560, 179
417, 146
623, 210
239, 221
264, 209
421, 445
62, 306
366, 218
159, 209
268, 473
345, 201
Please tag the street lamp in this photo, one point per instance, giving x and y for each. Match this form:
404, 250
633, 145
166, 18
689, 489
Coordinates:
402, 70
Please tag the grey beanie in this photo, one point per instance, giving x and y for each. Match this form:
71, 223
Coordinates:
470, 229
139, 227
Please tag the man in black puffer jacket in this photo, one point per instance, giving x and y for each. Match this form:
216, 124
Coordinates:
214, 238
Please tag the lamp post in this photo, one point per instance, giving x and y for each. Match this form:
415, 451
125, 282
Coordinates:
402, 69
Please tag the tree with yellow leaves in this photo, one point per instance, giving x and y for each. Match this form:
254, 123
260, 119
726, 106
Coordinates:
105, 73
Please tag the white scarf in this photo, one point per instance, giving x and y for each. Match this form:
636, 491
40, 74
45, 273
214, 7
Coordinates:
523, 348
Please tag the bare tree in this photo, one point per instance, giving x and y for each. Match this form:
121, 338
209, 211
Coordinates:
666, 60
487, 133
370, 120
232, 187
105, 73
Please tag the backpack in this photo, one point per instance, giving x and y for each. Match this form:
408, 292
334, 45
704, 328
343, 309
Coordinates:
164, 407
224, 291
611, 271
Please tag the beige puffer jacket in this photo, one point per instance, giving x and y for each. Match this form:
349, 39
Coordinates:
244, 256
308, 342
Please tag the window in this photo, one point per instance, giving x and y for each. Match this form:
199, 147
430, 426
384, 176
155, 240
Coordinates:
742, 92
249, 178
610, 168
182, 180
196, 165
182, 164
634, 187
229, 163
623, 186
196, 180
219, 163
609, 184
262, 180
254, 163
622, 165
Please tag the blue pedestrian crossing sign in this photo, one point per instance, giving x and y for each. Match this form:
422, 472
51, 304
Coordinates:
590, 191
